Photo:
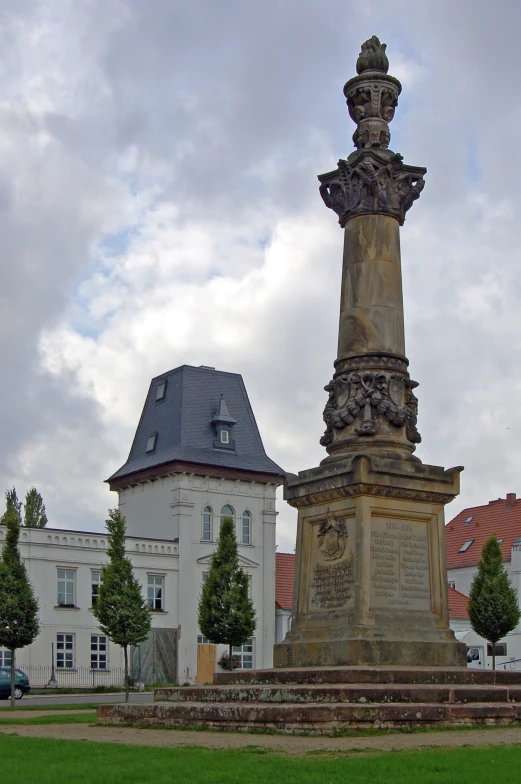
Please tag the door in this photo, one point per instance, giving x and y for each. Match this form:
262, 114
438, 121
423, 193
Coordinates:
476, 657
5, 682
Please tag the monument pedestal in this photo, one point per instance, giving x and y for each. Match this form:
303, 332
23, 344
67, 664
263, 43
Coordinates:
370, 582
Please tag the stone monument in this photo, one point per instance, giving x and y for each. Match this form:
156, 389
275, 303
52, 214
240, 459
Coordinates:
370, 577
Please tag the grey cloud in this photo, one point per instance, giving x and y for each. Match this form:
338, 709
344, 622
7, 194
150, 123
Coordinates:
236, 106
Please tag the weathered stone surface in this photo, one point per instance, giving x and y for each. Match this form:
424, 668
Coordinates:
383, 572
372, 675
372, 181
328, 700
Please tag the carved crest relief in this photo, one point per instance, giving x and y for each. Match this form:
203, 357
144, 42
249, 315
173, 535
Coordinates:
332, 539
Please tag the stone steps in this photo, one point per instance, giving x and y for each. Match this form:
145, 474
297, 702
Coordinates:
325, 718
338, 693
330, 700
354, 675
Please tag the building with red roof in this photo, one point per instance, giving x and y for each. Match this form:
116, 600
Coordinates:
284, 577
469, 530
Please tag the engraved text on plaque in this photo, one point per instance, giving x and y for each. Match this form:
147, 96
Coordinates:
400, 564
331, 576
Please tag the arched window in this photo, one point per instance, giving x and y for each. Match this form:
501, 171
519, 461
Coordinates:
227, 511
207, 524
246, 528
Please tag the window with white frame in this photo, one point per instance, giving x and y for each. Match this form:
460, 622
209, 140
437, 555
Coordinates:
227, 511
244, 653
5, 658
202, 640
65, 651
156, 592
95, 579
66, 587
207, 524
246, 527
452, 584
225, 436
98, 652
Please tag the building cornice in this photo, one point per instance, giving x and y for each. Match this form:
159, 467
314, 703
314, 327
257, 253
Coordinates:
181, 467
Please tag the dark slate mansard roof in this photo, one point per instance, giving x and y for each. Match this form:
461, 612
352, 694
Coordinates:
183, 423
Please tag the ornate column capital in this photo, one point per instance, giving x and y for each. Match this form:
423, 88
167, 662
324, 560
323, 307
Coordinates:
373, 180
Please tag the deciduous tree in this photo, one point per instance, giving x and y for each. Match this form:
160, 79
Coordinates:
120, 609
493, 602
226, 614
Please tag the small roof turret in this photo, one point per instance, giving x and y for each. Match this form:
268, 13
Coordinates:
222, 415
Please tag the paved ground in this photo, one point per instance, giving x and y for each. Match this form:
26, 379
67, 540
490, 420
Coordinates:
279, 743
77, 699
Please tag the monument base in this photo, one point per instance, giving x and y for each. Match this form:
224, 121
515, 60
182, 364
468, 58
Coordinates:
355, 652
370, 574
330, 701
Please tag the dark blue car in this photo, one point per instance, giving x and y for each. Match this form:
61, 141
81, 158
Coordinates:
21, 683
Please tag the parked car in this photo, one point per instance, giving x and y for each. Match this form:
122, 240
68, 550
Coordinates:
21, 683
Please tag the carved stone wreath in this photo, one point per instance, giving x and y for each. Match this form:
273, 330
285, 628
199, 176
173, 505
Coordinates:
365, 398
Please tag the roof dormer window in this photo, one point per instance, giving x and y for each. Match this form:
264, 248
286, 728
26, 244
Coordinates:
161, 390
151, 443
223, 422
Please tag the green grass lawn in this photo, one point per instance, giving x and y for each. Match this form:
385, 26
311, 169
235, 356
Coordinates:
42, 761
66, 707
60, 718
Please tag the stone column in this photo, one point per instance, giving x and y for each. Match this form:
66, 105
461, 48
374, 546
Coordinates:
371, 406
370, 574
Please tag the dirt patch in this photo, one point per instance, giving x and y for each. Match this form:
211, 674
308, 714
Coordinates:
279, 743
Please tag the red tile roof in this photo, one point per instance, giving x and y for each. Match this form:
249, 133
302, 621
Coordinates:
284, 573
501, 517
458, 604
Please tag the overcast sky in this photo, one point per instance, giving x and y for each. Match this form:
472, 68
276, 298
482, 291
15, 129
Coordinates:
159, 206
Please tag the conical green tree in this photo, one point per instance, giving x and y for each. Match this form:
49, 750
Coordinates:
12, 504
34, 510
226, 614
19, 624
120, 608
493, 602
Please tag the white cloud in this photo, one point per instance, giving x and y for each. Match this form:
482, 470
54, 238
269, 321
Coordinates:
159, 205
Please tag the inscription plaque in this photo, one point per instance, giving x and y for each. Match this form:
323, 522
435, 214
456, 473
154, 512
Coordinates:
400, 565
331, 576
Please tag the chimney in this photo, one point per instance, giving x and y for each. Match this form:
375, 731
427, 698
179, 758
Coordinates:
511, 499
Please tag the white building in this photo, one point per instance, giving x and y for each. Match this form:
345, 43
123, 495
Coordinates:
197, 455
